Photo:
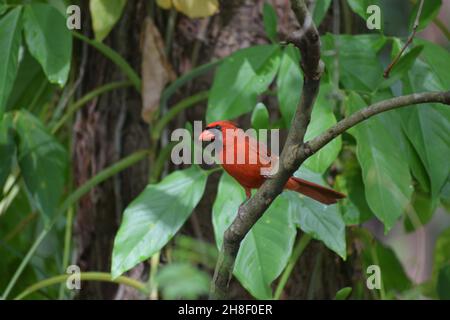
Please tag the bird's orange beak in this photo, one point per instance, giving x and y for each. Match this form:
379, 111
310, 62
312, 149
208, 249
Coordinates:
206, 135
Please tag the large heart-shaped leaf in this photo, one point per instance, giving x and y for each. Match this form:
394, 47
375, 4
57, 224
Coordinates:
240, 79
152, 219
322, 222
49, 40
323, 118
265, 250
42, 161
386, 175
10, 39
105, 14
289, 83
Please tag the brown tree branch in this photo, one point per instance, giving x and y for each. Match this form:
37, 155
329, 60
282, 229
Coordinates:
407, 43
314, 145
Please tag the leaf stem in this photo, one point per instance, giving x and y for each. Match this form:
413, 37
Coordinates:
300, 246
84, 276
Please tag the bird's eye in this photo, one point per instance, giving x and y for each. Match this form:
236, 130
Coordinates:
218, 127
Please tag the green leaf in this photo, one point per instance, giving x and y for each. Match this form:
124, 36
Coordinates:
105, 14
240, 79
443, 284
420, 211
343, 294
3, 7
182, 281
386, 176
49, 40
265, 250
359, 7
12, 248
270, 21
152, 219
7, 149
320, 9
359, 68
348, 209
417, 167
322, 222
10, 39
42, 161
260, 117
428, 122
445, 195
289, 83
437, 59
323, 118
393, 276
430, 10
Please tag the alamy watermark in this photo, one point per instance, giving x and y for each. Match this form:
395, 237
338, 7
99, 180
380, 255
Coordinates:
227, 146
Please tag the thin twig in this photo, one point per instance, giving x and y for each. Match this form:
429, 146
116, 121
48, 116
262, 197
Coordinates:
407, 43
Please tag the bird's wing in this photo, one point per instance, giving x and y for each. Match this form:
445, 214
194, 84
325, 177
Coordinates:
264, 155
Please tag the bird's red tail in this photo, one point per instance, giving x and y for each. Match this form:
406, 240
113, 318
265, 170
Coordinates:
317, 192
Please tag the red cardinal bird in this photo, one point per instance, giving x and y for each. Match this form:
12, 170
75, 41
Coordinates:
248, 173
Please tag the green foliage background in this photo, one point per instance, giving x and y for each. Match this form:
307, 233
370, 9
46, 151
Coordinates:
394, 167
